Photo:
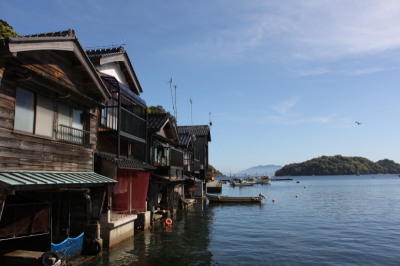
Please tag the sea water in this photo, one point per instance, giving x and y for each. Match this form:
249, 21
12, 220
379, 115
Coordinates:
319, 220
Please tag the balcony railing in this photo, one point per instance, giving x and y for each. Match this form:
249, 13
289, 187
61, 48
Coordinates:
169, 157
72, 135
188, 164
130, 122
196, 165
176, 157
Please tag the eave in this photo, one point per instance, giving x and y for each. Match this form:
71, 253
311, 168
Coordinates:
70, 44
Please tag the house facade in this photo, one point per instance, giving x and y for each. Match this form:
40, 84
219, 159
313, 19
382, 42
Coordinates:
201, 137
168, 181
49, 97
122, 146
79, 152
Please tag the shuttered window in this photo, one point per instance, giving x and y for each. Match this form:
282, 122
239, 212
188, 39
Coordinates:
44, 116
24, 110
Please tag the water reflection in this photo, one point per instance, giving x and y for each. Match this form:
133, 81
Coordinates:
335, 221
186, 242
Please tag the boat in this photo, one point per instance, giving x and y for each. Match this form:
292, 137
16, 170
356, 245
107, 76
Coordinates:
241, 183
263, 180
229, 199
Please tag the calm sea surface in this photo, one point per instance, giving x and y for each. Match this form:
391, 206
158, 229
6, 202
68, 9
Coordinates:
334, 220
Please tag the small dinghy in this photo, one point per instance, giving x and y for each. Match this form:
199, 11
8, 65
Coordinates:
229, 199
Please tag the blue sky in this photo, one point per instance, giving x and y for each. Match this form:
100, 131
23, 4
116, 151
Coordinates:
284, 80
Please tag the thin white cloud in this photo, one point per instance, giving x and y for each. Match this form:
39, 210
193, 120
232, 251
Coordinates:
363, 71
306, 30
333, 120
285, 107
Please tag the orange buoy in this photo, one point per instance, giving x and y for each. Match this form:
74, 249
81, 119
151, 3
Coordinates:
168, 221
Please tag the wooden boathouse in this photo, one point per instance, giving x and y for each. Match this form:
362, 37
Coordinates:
50, 95
79, 152
122, 146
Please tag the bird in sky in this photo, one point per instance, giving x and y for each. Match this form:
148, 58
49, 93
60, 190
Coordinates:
358, 123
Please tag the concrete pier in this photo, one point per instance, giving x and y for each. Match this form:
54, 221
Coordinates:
22, 257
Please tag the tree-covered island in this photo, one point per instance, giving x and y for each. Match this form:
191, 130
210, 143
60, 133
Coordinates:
339, 165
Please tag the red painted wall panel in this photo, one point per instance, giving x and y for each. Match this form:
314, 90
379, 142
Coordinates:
130, 192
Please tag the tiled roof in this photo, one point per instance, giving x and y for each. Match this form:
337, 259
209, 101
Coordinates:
60, 41
201, 130
98, 53
124, 163
64, 33
156, 121
184, 138
112, 84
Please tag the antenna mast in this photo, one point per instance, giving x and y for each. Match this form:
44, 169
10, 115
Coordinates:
174, 107
191, 111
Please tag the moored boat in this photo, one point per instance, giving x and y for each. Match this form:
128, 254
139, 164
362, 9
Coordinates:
241, 182
229, 199
263, 180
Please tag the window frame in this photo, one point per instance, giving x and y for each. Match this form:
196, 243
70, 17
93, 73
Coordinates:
35, 111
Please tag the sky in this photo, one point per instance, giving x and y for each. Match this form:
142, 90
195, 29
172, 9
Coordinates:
284, 81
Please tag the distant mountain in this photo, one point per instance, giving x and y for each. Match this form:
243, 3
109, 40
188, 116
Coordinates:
260, 170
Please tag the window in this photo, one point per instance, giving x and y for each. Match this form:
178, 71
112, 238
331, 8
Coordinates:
34, 118
35, 113
24, 110
70, 124
44, 116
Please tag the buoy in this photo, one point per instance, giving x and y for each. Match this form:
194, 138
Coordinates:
273, 200
168, 221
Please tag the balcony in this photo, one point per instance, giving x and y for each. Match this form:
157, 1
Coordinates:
176, 157
132, 126
196, 165
188, 165
72, 135
167, 156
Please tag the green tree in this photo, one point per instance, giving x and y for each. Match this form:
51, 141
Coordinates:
6, 30
156, 109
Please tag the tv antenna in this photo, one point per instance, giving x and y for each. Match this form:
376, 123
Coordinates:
191, 110
174, 106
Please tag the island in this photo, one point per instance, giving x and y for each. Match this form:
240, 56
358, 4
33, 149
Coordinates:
339, 165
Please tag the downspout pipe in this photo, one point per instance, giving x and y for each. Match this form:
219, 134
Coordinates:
119, 124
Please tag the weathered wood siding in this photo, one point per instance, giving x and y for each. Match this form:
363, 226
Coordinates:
62, 70
26, 151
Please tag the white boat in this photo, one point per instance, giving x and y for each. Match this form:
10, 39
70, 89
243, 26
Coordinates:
263, 180
243, 183
229, 199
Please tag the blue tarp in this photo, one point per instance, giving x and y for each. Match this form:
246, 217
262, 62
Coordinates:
70, 246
